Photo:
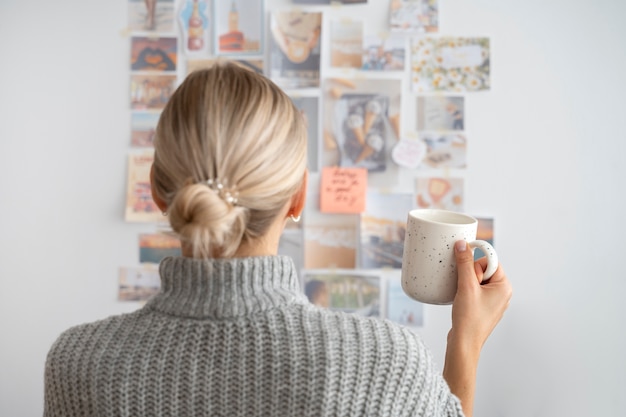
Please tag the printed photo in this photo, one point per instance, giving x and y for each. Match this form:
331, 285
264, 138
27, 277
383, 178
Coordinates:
151, 15
153, 54
138, 283
362, 135
156, 246
346, 43
143, 128
151, 92
444, 150
193, 18
440, 193
309, 108
238, 26
383, 226
139, 204
440, 113
383, 54
329, 246
255, 65
361, 122
401, 308
414, 16
295, 49
290, 244
350, 292
450, 64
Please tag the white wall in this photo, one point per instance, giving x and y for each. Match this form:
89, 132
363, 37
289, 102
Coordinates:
546, 160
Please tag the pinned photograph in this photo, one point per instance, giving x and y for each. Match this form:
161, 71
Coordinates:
329, 246
154, 247
143, 128
151, 92
346, 43
401, 308
138, 283
193, 18
450, 64
349, 292
238, 26
440, 113
383, 226
151, 15
295, 49
362, 133
255, 65
447, 150
153, 54
139, 204
414, 16
439, 193
361, 122
383, 54
308, 107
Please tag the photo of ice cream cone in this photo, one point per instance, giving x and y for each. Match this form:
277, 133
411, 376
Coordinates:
365, 153
355, 123
372, 111
374, 144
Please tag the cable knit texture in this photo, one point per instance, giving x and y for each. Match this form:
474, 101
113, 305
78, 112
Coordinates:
237, 337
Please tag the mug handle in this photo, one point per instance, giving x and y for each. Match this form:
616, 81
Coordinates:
490, 254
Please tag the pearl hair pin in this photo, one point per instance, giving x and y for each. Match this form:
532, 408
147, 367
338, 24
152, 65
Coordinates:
220, 187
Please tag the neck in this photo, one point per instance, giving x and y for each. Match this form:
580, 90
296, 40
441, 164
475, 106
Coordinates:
266, 245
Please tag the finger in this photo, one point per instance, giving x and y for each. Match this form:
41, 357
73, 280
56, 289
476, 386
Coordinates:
479, 270
483, 263
465, 264
499, 275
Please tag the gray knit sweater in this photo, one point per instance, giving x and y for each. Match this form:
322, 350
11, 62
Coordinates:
237, 337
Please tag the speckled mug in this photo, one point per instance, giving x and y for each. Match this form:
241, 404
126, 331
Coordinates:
429, 271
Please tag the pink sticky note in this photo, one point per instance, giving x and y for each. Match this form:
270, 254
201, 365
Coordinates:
343, 190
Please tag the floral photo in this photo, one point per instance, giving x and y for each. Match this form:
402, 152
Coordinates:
450, 64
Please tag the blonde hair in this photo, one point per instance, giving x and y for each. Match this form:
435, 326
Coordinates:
233, 126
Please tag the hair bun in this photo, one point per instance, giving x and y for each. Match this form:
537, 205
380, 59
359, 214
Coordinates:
204, 219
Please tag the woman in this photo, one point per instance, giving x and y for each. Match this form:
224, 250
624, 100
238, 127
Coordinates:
230, 332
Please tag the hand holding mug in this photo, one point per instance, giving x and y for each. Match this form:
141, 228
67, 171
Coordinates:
429, 269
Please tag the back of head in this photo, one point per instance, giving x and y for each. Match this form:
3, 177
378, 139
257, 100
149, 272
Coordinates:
230, 152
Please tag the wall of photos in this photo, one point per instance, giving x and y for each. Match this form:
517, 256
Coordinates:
385, 103
544, 158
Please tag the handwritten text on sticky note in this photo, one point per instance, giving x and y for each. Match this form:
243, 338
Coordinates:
343, 190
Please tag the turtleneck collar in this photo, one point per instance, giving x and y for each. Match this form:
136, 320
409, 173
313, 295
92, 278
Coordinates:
225, 288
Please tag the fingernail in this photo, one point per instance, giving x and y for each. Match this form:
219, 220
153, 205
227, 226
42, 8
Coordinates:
460, 246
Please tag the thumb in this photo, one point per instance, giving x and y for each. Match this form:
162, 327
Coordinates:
465, 264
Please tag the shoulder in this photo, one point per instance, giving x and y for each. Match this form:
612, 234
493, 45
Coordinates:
369, 333
76, 340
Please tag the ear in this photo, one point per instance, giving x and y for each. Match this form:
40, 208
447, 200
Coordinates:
159, 202
299, 198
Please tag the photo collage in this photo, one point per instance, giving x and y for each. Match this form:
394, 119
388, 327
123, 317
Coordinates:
371, 156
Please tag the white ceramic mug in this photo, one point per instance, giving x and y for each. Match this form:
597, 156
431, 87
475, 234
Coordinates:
429, 272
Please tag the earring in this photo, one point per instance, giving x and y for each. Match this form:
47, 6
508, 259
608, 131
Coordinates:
294, 219
164, 213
